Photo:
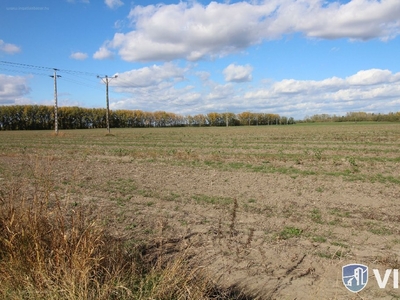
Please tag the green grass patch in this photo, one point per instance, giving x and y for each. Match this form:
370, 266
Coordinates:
316, 216
378, 229
333, 254
121, 186
319, 239
206, 199
290, 232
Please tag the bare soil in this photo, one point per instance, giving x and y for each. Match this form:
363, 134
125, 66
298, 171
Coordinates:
273, 235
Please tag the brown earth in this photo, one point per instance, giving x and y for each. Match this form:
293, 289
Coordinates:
271, 234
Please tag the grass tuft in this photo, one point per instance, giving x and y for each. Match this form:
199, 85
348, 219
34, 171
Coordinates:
289, 232
53, 251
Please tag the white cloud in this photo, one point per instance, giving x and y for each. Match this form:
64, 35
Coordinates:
79, 56
194, 31
171, 99
167, 87
103, 53
113, 3
360, 91
160, 97
357, 19
203, 75
155, 88
120, 24
221, 92
164, 75
236, 73
372, 76
12, 89
191, 31
9, 48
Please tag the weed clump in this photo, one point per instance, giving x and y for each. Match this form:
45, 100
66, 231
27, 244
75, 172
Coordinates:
51, 251
289, 232
47, 251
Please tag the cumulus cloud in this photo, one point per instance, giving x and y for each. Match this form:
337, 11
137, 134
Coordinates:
78, 56
171, 99
113, 3
103, 53
236, 73
166, 74
191, 31
155, 88
357, 19
194, 31
221, 92
360, 91
372, 77
12, 89
9, 48
203, 75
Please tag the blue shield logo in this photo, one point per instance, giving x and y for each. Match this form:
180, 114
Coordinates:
355, 277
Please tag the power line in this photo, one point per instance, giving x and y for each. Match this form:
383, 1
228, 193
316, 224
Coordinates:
89, 79
24, 69
74, 72
24, 65
21, 65
81, 83
74, 81
25, 72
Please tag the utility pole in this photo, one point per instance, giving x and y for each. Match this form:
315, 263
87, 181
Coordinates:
106, 80
55, 100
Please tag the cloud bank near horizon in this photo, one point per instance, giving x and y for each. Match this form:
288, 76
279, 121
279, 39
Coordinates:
367, 90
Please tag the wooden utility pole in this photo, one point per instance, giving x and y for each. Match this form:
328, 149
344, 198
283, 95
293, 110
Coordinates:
106, 80
55, 101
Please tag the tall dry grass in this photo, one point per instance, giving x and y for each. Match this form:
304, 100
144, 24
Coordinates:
49, 250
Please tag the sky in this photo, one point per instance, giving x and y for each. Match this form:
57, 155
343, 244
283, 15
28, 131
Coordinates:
295, 58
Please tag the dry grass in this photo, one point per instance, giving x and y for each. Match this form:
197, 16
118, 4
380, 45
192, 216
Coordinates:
49, 250
258, 200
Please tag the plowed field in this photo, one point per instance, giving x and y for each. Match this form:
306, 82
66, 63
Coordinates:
274, 210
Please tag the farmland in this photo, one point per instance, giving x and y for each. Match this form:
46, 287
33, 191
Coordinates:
275, 211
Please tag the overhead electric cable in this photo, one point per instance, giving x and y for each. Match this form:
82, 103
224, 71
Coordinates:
21, 65
25, 72
74, 72
24, 65
82, 83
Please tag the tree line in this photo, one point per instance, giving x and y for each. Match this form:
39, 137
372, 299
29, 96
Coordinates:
355, 117
37, 117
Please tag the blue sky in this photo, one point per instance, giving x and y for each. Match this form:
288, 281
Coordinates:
291, 57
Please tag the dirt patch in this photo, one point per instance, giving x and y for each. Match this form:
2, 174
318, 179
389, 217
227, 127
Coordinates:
287, 237
276, 226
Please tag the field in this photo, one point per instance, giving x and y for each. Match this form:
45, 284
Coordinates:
274, 211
